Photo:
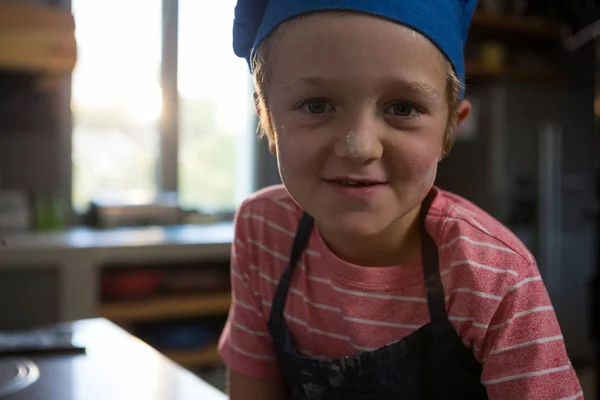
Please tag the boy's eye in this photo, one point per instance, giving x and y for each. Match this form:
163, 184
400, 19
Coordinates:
317, 106
401, 109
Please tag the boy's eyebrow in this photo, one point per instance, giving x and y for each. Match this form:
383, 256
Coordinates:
413, 85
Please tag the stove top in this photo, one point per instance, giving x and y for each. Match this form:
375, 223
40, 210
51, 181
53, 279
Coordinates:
16, 374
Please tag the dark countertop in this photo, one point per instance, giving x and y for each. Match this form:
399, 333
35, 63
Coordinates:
117, 366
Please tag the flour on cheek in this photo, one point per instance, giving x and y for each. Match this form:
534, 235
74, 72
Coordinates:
288, 149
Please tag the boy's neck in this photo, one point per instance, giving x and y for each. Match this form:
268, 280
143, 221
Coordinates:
398, 244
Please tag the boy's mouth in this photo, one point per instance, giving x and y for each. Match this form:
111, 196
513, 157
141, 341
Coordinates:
354, 188
354, 182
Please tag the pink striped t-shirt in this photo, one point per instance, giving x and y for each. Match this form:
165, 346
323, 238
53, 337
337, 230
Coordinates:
495, 298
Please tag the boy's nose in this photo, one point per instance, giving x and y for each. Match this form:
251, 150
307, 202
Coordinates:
360, 145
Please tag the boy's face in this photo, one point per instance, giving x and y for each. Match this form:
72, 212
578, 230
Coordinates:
356, 98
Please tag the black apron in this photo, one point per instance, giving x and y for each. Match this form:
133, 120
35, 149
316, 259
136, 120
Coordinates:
430, 363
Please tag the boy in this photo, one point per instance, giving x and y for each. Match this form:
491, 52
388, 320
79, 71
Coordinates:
359, 279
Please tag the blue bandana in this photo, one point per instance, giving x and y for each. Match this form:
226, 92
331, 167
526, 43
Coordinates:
445, 22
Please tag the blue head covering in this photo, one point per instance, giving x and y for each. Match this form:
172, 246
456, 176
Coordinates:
445, 22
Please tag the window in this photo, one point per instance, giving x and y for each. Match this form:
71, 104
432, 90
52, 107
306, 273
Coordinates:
215, 114
120, 94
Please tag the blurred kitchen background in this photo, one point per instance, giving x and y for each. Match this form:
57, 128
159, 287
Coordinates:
127, 139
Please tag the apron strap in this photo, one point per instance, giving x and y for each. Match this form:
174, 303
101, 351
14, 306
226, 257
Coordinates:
436, 300
300, 241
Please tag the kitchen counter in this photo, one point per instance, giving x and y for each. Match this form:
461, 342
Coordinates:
117, 366
118, 238
77, 256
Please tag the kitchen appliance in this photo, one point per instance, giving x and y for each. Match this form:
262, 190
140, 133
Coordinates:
111, 213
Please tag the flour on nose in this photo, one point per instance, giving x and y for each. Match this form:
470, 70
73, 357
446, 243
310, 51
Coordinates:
351, 141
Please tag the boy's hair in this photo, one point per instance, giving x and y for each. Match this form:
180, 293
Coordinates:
260, 69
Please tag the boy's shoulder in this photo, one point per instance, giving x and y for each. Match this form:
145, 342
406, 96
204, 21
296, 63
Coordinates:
271, 206
476, 236
272, 199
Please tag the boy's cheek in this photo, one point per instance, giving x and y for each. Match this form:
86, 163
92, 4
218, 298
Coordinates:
413, 158
291, 152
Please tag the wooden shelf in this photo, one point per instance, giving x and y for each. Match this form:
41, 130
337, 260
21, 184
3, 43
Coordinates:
529, 27
200, 358
167, 308
37, 38
478, 71
14, 15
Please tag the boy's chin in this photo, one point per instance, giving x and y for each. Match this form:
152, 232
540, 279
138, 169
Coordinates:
356, 224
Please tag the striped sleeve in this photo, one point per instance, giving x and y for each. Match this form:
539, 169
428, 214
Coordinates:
245, 345
524, 353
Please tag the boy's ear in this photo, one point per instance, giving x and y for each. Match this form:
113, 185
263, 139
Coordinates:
273, 147
464, 109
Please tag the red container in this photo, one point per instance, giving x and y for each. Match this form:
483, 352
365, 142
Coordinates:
130, 285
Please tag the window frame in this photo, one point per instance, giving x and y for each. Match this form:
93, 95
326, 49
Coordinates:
262, 165
168, 171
